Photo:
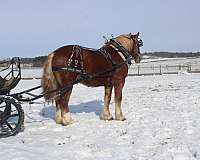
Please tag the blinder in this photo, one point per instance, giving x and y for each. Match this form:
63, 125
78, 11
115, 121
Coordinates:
140, 42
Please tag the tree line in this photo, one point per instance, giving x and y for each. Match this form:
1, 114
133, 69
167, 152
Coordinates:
34, 62
172, 54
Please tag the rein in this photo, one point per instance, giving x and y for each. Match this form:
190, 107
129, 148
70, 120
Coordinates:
87, 77
63, 90
83, 75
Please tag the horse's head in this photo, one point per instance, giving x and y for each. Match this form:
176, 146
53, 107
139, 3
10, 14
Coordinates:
132, 43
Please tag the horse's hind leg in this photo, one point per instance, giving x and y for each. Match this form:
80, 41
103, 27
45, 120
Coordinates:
105, 115
62, 110
118, 98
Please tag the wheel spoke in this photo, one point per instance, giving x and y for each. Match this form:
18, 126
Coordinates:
13, 111
13, 115
9, 126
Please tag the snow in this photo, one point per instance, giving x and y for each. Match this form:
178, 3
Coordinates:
163, 123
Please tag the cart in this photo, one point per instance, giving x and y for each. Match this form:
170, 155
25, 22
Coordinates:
11, 112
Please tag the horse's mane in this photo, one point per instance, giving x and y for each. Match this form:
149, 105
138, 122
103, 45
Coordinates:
125, 35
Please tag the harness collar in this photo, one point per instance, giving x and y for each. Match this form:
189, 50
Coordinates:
123, 52
120, 53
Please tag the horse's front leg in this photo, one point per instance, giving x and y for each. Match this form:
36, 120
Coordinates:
118, 98
105, 115
62, 110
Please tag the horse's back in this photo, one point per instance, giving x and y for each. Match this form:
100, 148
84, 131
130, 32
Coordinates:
92, 59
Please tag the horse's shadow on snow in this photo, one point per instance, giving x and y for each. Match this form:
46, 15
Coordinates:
86, 107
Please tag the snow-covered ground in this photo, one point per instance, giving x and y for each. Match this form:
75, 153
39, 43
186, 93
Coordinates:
163, 123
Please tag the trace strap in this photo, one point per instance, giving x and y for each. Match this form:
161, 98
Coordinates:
61, 91
83, 76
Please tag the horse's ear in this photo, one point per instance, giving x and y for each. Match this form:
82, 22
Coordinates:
135, 35
130, 35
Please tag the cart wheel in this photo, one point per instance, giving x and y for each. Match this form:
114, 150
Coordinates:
11, 117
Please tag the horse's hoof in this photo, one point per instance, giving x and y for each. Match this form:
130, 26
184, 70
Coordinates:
120, 118
66, 123
106, 118
66, 119
58, 121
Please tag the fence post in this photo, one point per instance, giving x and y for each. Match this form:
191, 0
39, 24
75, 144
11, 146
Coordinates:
138, 70
160, 69
188, 68
179, 67
153, 69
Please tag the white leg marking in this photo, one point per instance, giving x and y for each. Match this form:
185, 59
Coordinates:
66, 119
58, 116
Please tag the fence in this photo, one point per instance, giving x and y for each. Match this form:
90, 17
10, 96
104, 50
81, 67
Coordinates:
158, 69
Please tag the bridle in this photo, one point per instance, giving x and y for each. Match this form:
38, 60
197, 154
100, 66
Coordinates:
140, 42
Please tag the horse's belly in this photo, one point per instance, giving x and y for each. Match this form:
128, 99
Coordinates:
97, 82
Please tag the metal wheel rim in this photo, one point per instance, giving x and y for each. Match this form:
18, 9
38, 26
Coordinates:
11, 117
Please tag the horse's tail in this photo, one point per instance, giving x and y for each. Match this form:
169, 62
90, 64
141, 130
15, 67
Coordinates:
49, 82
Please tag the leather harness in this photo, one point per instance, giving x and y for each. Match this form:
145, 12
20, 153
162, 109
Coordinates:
72, 65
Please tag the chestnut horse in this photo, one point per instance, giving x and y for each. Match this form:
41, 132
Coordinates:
68, 63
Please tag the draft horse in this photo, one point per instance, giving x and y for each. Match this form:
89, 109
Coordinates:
107, 66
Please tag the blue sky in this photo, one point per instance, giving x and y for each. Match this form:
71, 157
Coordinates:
31, 28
